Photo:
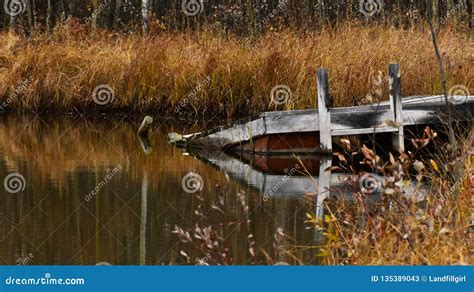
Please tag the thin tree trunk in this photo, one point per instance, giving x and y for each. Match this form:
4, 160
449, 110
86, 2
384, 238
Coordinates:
458, 166
145, 15
251, 17
469, 12
62, 12
29, 12
118, 10
435, 9
48, 17
311, 11
95, 12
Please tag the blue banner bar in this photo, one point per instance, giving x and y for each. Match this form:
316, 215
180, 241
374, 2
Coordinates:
237, 278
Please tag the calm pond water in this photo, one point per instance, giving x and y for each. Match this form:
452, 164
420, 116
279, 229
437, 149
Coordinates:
79, 192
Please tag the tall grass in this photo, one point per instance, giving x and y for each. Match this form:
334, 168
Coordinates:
165, 74
431, 227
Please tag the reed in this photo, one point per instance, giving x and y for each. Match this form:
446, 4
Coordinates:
209, 73
431, 227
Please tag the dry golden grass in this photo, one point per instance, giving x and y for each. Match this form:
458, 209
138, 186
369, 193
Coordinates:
155, 73
430, 229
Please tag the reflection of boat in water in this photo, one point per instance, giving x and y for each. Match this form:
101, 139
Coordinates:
278, 176
275, 175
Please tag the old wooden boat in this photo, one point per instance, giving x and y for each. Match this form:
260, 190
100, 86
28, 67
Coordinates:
312, 130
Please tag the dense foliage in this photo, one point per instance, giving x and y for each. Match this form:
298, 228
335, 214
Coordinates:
242, 16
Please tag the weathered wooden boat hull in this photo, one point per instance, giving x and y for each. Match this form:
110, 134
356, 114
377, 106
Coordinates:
304, 142
282, 164
298, 131
312, 130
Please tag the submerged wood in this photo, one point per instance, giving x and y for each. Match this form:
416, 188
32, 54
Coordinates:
146, 144
145, 127
377, 118
144, 135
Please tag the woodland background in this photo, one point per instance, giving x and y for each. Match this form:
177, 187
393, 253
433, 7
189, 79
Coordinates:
241, 16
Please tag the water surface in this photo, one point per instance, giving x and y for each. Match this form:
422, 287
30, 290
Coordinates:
88, 194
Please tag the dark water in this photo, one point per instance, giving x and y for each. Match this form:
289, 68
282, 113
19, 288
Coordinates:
83, 192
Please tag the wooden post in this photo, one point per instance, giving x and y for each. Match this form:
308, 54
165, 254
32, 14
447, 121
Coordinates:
396, 105
324, 185
324, 115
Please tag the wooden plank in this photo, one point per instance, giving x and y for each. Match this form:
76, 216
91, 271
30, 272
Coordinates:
396, 105
325, 136
308, 122
232, 135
